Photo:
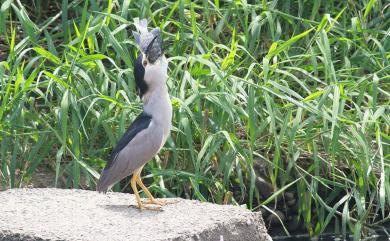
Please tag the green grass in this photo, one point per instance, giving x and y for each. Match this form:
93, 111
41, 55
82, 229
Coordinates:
303, 86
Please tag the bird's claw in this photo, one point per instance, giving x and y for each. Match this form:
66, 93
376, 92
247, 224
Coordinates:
144, 207
159, 202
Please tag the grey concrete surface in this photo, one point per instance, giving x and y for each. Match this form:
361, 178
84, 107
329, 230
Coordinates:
59, 214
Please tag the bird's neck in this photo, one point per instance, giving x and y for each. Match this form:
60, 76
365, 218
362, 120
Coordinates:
158, 104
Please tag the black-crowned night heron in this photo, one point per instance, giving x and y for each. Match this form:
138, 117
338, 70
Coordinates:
149, 132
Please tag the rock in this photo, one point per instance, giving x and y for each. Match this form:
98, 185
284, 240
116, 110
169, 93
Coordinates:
276, 218
294, 224
265, 188
60, 214
288, 196
291, 202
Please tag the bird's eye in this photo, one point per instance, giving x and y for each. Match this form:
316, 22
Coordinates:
144, 62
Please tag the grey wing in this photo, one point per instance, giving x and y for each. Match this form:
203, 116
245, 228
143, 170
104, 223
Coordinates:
141, 149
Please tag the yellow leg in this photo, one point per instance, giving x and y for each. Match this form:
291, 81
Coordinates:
152, 200
134, 180
133, 184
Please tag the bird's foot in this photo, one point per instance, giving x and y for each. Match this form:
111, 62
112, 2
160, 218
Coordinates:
159, 202
142, 207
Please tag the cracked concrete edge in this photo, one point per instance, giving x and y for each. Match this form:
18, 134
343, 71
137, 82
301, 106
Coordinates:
254, 228
251, 229
15, 236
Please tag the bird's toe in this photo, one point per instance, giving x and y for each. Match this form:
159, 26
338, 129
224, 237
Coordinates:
160, 202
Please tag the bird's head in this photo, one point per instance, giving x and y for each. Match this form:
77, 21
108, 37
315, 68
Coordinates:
150, 68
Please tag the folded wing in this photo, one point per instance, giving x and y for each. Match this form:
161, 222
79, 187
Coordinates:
138, 145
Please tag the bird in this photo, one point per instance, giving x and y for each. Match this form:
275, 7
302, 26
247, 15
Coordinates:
148, 133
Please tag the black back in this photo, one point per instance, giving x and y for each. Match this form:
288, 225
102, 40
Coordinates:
139, 73
140, 123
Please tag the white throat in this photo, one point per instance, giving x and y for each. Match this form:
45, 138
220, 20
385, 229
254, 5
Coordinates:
156, 99
158, 104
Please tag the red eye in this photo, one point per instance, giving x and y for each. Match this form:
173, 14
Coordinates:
144, 63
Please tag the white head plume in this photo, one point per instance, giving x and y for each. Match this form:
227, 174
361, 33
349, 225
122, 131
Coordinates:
148, 41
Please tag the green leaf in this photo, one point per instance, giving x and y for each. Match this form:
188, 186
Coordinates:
46, 54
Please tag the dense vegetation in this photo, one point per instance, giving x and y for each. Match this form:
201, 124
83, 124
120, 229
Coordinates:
296, 92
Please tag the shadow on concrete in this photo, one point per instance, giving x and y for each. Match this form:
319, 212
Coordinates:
130, 210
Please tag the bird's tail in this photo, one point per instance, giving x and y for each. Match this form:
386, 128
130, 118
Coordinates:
102, 186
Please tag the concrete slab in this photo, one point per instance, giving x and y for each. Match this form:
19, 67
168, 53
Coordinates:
60, 214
